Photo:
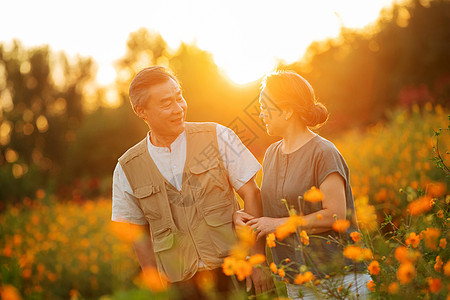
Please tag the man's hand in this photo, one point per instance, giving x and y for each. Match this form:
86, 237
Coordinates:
240, 218
262, 280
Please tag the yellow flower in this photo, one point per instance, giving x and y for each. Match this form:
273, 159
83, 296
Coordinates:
356, 236
271, 240
257, 259
313, 195
413, 240
371, 285
273, 268
365, 214
306, 277
304, 238
431, 236
435, 284
341, 225
406, 272
374, 268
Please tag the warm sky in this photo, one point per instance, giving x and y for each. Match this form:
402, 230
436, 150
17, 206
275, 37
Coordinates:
246, 37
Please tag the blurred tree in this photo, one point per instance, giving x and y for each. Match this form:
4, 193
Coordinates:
400, 60
41, 107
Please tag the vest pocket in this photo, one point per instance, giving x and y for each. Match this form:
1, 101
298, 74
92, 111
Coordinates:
148, 197
221, 229
164, 242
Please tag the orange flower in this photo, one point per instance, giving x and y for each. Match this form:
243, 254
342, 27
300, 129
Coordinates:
257, 259
289, 227
271, 240
341, 225
436, 189
440, 214
313, 195
304, 238
393, 288
406, 272
447, 268
443, 243
367, 254
319, 217
246, 236
302, 278
413, 240
419, 206
356, 236
281, 272
431, 236
126, 232
228, 266
273, 268
438, 264
403, 254
242, 269
374, 268
151, 279
371, 285
354, 253
9, 292
435, 284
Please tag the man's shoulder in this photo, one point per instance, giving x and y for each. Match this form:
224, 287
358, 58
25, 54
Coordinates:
134, 151
193, 127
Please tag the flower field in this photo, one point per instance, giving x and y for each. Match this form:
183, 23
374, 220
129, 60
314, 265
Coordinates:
53, 249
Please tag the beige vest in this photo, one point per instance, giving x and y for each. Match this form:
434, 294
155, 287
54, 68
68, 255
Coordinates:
191, 224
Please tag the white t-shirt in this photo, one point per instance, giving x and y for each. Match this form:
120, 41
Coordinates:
237, 159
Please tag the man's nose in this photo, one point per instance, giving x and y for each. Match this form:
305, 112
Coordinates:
178, 108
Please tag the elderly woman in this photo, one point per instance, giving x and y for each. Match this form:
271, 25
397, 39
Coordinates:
300, 160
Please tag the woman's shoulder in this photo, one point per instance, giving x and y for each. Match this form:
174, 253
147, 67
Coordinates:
322, 144
272, 149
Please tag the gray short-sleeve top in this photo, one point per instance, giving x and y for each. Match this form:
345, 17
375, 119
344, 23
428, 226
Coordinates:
288, 176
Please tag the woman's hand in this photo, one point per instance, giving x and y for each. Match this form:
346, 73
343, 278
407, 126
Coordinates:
240, 218
264, 225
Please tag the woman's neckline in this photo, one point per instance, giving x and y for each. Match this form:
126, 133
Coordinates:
295, 150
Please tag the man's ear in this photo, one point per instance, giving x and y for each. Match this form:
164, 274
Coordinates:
140, 111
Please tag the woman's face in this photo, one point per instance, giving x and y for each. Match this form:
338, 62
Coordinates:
271, 114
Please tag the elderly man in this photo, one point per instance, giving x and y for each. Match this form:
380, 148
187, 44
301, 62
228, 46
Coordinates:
178, 184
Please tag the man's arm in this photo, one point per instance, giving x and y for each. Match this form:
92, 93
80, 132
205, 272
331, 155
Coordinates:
250, 193
143, 247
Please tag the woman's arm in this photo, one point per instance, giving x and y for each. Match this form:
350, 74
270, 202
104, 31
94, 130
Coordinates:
333, 203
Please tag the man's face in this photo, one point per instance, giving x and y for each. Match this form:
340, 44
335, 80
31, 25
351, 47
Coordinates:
165, 109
